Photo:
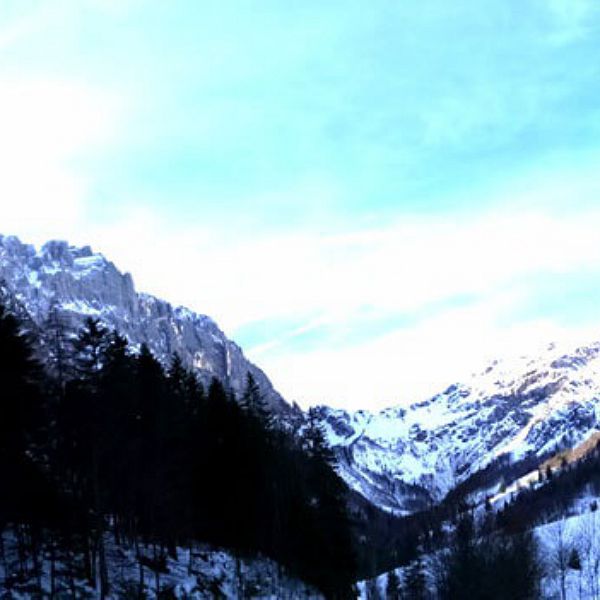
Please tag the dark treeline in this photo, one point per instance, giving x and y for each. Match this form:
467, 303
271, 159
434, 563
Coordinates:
106, 441
555, 498
496, 473
395, 541
473, 564
497, 557
483, 566
551, 496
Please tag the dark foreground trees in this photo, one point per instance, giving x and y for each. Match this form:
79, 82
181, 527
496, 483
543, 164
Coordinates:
122, 445
493, 567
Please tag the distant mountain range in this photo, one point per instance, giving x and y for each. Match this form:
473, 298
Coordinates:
401, 459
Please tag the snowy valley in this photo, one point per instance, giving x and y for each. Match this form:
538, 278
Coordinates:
473, 447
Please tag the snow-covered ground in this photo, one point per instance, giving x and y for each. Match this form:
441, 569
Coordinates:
568, 551
198, 573
557, 543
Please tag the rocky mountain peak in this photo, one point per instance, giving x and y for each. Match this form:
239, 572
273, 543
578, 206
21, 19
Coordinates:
78, 283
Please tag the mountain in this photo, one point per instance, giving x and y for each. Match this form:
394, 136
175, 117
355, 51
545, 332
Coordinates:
72, 284
513, 414
401, 459
129, 467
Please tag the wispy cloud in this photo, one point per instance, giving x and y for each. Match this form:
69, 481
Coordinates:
410, 364
449, 289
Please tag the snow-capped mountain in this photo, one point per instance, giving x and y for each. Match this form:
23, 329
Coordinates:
400, 459
77, 283
405, 458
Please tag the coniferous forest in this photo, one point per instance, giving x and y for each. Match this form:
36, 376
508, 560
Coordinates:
103, 441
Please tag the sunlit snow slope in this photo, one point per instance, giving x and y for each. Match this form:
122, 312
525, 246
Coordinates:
404, 458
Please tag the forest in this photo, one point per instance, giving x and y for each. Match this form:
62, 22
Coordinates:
103, 441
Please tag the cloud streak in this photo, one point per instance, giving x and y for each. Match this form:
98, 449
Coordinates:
448, 291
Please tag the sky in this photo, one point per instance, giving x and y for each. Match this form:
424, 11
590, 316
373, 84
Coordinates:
372, 198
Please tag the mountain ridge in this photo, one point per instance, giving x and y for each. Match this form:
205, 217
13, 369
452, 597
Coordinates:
77, 283
401, 459
406, 458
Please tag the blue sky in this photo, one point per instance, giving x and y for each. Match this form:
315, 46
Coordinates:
371, 198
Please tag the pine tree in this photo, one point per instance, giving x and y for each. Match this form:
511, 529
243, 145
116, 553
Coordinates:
253, 402
461, 569
327, 497
177, 375
20, 401
490, 567
57, 346
92, 418
27, 499
315, 442
120, 439
574, 560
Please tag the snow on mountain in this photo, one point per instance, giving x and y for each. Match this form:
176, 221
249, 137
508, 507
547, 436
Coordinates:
401, 458
77, 283
404, 458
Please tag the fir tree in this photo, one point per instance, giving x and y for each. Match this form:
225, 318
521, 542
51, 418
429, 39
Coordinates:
89, 348
253, 402
20, 401
57, 345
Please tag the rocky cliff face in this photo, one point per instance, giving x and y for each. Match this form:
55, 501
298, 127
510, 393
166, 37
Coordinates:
404, 458
76, 283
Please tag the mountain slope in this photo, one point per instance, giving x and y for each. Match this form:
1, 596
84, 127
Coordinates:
76, 283
197, 572
401, 459
405, 458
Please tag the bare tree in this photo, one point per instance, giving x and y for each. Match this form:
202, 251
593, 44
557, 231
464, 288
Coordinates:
558, 554
588, 543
